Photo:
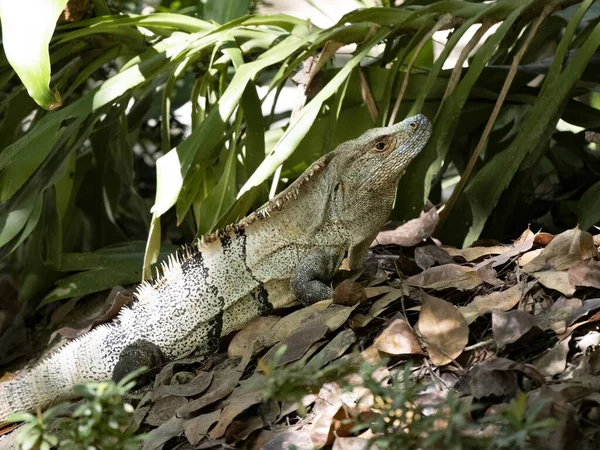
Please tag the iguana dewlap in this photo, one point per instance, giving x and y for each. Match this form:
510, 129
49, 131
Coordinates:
289, 248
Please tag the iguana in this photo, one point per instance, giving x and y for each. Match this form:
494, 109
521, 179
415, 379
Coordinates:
288, 249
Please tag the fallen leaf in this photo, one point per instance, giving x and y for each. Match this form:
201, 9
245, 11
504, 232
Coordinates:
446, 276
159, 436
498, 301
558, 315
554, 362
526, 258
333, 350
444, 330
349, 293
327, 404
196, 386
239, 431
164, 409
521, 245
232, 410
427, 255
473, 253
585, 273
298, 440
379, 306
497, 377
412, 232
250, 333
509, 327
352, 443
222, 384
398, 339
290, 323
557, 280
197, 428
565, 250
297, 344
488, 274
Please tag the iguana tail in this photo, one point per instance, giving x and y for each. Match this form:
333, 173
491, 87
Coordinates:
53, 379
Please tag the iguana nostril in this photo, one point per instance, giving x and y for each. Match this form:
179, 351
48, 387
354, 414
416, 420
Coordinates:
414, 125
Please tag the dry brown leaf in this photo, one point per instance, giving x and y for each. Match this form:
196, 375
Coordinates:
352, 443
167, 430
565, 250
240, 430
526, 258
412, 232
498, 301
585, 273
443, 329
290, 323
197, 428
554, 362
557, 280
488, 274
327, 404
497, 377
333, 350
250, 333
232, 410
557, 317
379, 306
447, 276
223, 384
473, 253
398, 339
198, 385
349, 293
427, 255
509, 327
297, 344
521, 245
164, 409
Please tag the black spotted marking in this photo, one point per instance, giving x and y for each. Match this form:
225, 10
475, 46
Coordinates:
225, 242
215, 327
260, 294
195, 261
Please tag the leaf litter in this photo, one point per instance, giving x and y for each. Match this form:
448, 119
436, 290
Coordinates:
492, 324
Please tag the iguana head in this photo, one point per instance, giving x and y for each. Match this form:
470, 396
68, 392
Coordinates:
371, 165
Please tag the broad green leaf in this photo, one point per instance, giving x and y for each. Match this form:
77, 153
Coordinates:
302, 123
101, 270
589, 207
27, 26
201, 143
223, 11
414, 185
483, 192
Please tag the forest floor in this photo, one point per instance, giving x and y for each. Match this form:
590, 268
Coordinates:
492, 346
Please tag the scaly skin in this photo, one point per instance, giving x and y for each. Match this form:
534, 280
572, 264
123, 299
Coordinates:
290, 248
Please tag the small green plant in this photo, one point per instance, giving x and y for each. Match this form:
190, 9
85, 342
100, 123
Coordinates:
401, 419
99, 423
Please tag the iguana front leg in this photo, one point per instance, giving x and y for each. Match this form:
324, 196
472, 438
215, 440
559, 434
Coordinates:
310, 279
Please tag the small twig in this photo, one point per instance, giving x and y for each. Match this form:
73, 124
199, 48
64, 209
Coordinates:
492, 120
479, 345
464, 54
442, 22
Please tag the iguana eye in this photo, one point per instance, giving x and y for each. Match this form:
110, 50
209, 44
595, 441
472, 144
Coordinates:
380, 146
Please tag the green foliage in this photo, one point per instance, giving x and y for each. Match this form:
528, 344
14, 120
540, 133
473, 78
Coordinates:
121, 162
100, 422
401, 419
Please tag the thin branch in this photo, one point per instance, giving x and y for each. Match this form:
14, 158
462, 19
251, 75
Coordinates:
444, 20
488, 127
464, 54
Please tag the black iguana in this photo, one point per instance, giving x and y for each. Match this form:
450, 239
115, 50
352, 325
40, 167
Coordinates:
288, 249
